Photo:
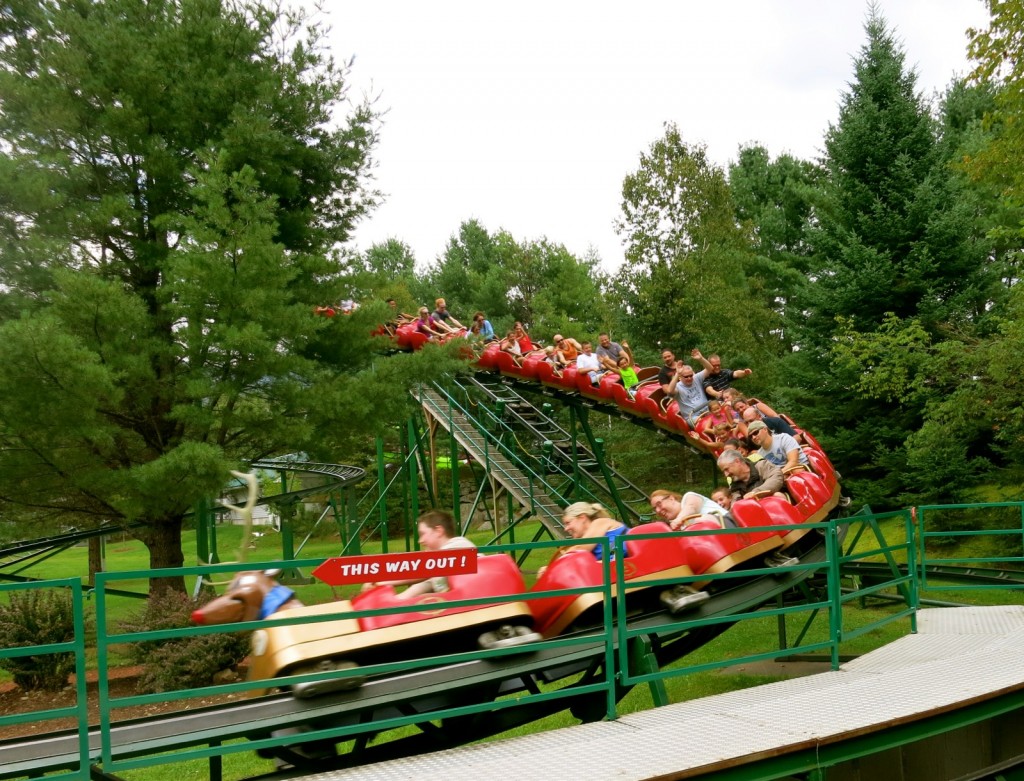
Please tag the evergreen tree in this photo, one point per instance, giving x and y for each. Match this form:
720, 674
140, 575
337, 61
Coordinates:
170, 196
775, 198
550, 289
536, 282
897, 257
469, 275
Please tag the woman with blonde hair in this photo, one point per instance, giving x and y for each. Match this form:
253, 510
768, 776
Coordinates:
589, 519
427, 325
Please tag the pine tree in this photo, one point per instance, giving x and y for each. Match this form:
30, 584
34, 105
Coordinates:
172, 190
897, 267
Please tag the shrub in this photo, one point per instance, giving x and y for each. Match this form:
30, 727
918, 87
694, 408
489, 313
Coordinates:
179, 663
38, 617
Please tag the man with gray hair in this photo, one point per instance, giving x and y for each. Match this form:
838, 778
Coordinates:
749, 479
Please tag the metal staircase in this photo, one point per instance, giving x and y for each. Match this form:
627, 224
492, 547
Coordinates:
584, 465
529, 489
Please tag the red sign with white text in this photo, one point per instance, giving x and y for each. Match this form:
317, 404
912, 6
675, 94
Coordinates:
343, 570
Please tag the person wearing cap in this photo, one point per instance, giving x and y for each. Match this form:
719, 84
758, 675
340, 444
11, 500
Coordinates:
780, 449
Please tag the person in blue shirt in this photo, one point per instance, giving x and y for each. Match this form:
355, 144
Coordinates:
589, 519
486, 329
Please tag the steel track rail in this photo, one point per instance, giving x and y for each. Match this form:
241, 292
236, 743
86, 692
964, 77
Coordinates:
260, 717
961, 574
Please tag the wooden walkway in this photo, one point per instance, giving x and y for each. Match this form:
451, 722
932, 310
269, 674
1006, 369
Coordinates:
960, 657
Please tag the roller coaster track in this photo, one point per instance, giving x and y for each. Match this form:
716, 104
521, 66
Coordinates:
15, 557
880, 571
337, 476
18, 556
514, 475
561, 447
421, 691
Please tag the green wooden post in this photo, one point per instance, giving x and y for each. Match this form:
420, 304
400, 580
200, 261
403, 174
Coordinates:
414, 494
454, 462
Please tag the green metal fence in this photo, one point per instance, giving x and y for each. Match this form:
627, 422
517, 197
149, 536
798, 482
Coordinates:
75, 646
995, 530
625, 646
868, 526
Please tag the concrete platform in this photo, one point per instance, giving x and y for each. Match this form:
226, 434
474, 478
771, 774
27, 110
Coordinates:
959, 656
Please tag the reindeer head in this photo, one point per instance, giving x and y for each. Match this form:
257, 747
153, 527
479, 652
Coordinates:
250, 596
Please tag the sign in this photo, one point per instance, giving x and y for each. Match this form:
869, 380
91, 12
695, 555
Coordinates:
417, 565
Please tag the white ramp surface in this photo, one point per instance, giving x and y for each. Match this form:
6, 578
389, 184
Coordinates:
915, 675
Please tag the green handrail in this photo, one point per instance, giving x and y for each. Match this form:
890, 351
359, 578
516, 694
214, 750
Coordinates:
76, 646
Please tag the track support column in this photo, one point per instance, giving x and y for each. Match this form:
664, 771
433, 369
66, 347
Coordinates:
644, 662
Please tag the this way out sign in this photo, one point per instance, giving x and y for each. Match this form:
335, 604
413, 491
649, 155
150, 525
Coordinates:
344, 570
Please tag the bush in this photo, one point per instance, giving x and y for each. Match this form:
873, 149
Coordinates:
38, 617
184, 663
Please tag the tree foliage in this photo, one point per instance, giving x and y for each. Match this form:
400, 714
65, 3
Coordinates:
687, 279
775, 200
386, 270
174, 182
900, 267
997, 52
537, 282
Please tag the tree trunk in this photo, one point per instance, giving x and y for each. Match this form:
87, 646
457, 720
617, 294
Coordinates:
163, 539
95, 558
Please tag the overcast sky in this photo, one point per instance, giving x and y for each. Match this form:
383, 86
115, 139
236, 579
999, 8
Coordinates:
527, 116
